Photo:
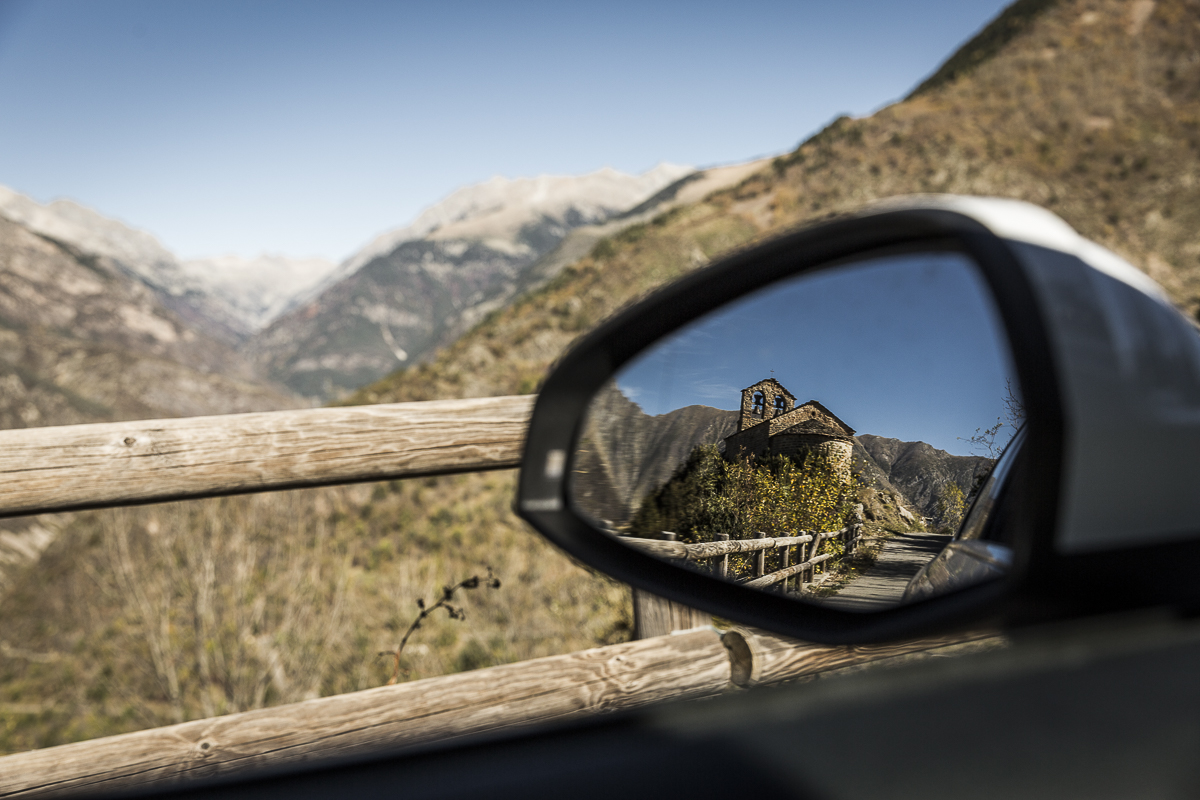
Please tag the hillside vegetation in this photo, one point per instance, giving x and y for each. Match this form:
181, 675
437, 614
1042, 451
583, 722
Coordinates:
83, 340
142, 617
1088, 107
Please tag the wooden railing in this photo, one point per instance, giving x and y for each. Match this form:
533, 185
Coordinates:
698, 663
666, 547
123, 463
96, 466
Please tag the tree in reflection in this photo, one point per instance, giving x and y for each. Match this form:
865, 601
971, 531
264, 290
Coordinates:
775, 496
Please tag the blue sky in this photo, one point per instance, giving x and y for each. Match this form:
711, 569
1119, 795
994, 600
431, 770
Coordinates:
907, 347
306, 128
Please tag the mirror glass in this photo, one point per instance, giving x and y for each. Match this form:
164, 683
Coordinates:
824, 438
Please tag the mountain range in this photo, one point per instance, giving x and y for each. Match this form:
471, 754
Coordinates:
1090, 108
420, 286
322, 329
228, 297
625, 454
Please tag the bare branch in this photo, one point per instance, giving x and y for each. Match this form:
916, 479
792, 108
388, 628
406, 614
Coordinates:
454, 612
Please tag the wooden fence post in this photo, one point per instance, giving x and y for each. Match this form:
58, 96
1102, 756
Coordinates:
658, 616
803, 558
854, 524
723, 568
760, 558
787, 553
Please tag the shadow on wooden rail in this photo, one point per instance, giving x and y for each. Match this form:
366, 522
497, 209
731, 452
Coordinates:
688, 664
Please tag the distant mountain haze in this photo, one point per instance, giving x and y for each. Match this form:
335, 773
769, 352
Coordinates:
500, 209
228, 297
420, 286
85, 341
254, 291
390, 303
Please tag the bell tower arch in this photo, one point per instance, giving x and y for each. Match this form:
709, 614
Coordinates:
763, 401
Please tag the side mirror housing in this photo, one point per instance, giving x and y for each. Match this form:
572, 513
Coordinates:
645, 424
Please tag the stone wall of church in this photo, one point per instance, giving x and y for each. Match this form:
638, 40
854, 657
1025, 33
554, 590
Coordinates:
750, 442
796, 445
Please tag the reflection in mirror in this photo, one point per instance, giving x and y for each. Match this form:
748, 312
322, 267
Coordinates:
823, 438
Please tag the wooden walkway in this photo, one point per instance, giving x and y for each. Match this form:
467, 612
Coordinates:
882, 585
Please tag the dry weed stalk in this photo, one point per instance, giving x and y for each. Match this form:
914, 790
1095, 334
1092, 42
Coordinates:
454, 612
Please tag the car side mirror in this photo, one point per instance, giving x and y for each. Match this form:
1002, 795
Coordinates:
806, 436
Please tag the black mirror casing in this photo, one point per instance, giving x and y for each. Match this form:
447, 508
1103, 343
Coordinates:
543, 498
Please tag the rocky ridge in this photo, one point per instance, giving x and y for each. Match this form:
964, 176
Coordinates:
227, 298
918, 471
626, 454
420, 286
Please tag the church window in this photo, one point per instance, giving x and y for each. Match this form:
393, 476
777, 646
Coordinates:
778, 405
759, 403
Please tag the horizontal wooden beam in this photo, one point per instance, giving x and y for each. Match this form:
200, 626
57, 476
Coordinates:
773, 578
696, 663
656, 547
702, 550
122, 463
759, 657
692, 664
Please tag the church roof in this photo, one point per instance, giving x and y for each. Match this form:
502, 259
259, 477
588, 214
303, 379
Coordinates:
847, 430
816, 427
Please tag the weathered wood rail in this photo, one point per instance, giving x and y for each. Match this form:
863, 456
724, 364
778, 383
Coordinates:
74, 467
668, 548
96, 466
697, 663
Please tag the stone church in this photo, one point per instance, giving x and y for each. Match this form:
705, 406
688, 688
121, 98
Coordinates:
772, 424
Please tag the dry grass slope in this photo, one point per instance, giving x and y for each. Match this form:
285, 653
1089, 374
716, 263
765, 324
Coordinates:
143, 617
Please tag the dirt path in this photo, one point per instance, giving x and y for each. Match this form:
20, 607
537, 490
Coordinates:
880, 586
